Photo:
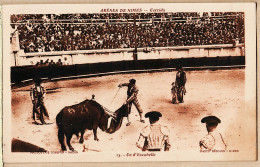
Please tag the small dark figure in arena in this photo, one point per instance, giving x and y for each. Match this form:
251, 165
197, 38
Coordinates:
180, 82
52, 63
37, 96
213, 140
174, 92
59, 63
132, 92
41, 63
154, 137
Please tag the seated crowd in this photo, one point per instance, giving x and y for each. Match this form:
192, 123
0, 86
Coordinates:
69, 32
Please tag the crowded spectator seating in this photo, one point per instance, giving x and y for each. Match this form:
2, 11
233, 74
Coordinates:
70, 32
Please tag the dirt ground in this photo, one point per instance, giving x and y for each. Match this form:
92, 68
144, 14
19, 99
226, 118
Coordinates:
220, 93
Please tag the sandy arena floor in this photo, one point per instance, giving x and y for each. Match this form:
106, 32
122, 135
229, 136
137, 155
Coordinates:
220, 93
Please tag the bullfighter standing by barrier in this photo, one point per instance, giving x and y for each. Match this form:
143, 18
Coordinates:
132, 92
37, 95
180, 82
154, 137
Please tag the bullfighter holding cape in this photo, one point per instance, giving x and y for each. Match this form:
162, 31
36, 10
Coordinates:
132, 92
37, 96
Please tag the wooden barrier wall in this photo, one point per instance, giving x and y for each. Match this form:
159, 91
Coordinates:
21, 73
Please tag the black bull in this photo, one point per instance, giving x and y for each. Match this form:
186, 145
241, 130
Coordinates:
86, 115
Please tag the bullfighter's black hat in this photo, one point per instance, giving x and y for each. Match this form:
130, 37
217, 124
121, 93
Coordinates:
37, 80
153, 114
211, 120
133, 81
179, 67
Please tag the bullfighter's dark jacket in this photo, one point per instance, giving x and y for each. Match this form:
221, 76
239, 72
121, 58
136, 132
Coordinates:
37, 92
180, 78
132, 92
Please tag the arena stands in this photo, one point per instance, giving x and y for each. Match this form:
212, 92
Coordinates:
70, 32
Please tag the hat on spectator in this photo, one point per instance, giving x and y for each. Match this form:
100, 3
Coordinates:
37, 80
211, 120
179, 67
153, 115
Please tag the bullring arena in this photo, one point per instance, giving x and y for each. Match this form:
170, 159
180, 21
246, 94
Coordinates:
91, 54
219, 93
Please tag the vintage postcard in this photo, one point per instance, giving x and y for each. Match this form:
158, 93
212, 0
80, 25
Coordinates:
1, 74
129, 82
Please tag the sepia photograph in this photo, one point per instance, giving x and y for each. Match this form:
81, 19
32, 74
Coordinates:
129, 82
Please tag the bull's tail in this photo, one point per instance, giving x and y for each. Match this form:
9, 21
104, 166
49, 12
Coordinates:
60, 130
